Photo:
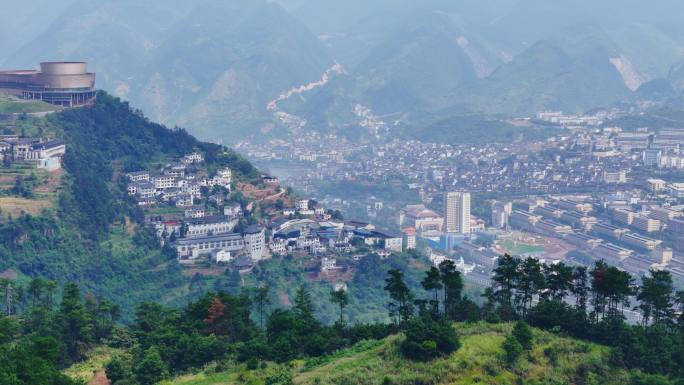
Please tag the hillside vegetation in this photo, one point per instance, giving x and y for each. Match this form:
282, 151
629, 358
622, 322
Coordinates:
553, 360
435, 337
12, 105
86, 236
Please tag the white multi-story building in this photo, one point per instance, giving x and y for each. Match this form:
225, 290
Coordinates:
656, 185
162, 182
641, 241
410, 238
195, 157
328, 264
222, 178
302, 205
500, 213
44, 150
615, 177
232, 210
195, 212
255, 242
676, 190
139, 176
457, 212
197, 227
193, 248
624, 216
646, 224
278, 246
421, 218
142, 189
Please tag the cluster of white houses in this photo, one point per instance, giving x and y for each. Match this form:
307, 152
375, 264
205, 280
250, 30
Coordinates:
177, 184
44, 153
214, 238
329, 236
201, 235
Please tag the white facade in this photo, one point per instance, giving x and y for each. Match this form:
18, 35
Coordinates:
394, 244
164, 181
302, 205
210, 225
457, 212
255, 243
222, 178
328, 264
193, 248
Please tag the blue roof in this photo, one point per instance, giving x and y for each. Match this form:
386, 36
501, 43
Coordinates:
287, 234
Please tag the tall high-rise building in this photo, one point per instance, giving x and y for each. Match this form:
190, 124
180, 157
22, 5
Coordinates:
457, 212
500, 213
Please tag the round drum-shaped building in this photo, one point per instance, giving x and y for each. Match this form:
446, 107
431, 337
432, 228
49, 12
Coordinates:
66, 84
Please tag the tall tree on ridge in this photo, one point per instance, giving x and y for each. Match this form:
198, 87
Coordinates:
504, 281
401, 304
529, 282
340, 298
452, 282
656, 297
432, 282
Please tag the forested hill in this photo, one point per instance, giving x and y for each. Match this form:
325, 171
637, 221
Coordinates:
94, 234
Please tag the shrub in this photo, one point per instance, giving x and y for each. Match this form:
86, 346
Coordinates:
523, 333
281, 377
512, 350
117, 369
252, 363
649, 379
427, 339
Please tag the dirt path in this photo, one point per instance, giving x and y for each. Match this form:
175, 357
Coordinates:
100, 379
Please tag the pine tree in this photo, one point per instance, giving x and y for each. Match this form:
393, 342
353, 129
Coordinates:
401, 304
504, 281
528, 281
74, 324
261, 300
303, 306
656, 297
150, 369
453, 287
512, 350
580, 288
523, 333
559, 278
340, 298
432, 282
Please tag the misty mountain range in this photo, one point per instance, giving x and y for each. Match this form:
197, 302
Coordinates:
249, 68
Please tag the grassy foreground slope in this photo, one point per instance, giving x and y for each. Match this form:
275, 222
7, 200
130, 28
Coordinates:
11, 105
553, 360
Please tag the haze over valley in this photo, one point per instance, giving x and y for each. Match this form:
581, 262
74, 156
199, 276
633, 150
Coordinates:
329, 192
216, 66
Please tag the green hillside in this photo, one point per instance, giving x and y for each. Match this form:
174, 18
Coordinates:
437, 336
12, 105
95, 235
553, 360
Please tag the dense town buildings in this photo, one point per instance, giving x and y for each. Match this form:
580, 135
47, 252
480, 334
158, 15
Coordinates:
597, 190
